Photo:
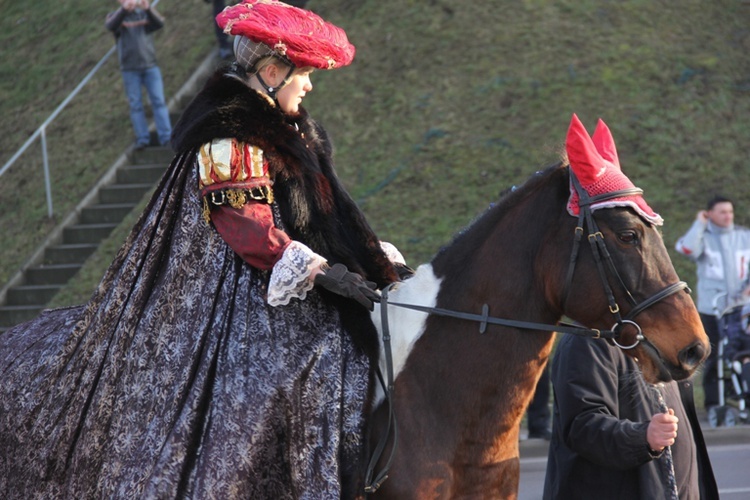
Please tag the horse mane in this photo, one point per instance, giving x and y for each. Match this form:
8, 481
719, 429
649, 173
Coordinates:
450, 256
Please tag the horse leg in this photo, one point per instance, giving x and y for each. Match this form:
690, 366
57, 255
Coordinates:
497, 479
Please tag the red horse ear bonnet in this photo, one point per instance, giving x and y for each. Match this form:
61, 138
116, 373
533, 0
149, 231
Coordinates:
594, 162
269, 27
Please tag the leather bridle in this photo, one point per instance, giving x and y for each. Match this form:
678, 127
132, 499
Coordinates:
602, 257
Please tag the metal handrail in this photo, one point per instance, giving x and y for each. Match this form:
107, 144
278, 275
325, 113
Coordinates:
41, 131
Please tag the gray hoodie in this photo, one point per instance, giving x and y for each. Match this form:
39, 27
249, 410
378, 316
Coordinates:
722, 255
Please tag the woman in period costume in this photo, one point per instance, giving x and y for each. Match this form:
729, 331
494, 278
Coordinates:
228, 350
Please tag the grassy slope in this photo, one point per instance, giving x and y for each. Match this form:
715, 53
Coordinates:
446, 106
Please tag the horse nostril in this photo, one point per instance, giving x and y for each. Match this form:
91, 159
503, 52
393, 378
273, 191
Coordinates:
693, 355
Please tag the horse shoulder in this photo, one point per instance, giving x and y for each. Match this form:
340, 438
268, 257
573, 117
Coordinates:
406, 326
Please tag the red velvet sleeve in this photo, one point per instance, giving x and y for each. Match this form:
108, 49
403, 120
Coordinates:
251, 233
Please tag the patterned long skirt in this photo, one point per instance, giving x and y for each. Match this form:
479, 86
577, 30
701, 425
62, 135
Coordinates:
177, 380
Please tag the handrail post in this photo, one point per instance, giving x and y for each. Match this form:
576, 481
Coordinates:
45, 162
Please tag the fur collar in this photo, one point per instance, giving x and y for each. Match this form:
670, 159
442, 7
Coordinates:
315, 208
227, 107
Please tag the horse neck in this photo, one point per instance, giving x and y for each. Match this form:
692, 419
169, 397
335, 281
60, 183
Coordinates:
513, 257
498, 262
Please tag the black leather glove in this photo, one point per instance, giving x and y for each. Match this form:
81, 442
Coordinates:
338, 279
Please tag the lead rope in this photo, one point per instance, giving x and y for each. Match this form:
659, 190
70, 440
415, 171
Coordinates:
667, 464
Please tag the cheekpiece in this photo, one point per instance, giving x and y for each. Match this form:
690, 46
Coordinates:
297, 35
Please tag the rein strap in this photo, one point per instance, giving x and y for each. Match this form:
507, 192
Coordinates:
373, 484
484, 319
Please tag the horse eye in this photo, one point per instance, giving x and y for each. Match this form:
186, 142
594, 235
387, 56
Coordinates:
628, 237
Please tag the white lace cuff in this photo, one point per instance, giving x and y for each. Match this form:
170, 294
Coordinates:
290, 277
392, 253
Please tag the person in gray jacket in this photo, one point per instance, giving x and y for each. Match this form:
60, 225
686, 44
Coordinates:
721, 251
132, 25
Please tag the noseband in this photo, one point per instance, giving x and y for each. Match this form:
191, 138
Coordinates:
602, 257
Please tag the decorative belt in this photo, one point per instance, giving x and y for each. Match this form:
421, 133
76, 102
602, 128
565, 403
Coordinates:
235, 198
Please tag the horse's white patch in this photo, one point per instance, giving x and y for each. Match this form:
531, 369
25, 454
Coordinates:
405, 325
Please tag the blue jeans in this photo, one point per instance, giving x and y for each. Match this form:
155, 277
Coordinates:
150, 79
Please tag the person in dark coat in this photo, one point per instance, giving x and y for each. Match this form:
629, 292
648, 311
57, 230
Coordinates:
614, 436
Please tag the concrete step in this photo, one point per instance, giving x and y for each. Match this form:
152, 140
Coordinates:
104, 214
30, 295
159, 154
87, 233
68, 254
55, 274
123, 193
13, 315
141, 174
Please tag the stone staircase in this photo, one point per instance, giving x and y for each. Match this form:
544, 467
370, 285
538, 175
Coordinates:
63, 259
121, 189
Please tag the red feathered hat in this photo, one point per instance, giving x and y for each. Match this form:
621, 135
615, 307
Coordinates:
594, 162
297, 35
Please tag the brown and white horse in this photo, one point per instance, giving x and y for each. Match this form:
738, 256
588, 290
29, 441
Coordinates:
459, 395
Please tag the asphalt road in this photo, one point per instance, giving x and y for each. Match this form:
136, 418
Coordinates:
729, 449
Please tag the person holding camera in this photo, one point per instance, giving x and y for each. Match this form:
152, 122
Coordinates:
132, 24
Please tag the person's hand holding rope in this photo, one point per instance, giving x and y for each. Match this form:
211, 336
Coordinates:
662, 431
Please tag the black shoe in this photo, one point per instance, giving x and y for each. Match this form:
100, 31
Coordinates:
712, 415
545, 434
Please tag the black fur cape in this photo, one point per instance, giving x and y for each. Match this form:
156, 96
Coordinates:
315, 208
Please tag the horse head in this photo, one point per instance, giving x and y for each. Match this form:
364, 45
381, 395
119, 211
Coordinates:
630, 262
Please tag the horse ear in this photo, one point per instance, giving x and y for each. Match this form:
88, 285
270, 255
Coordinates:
594, 163
605, 144
585, 161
